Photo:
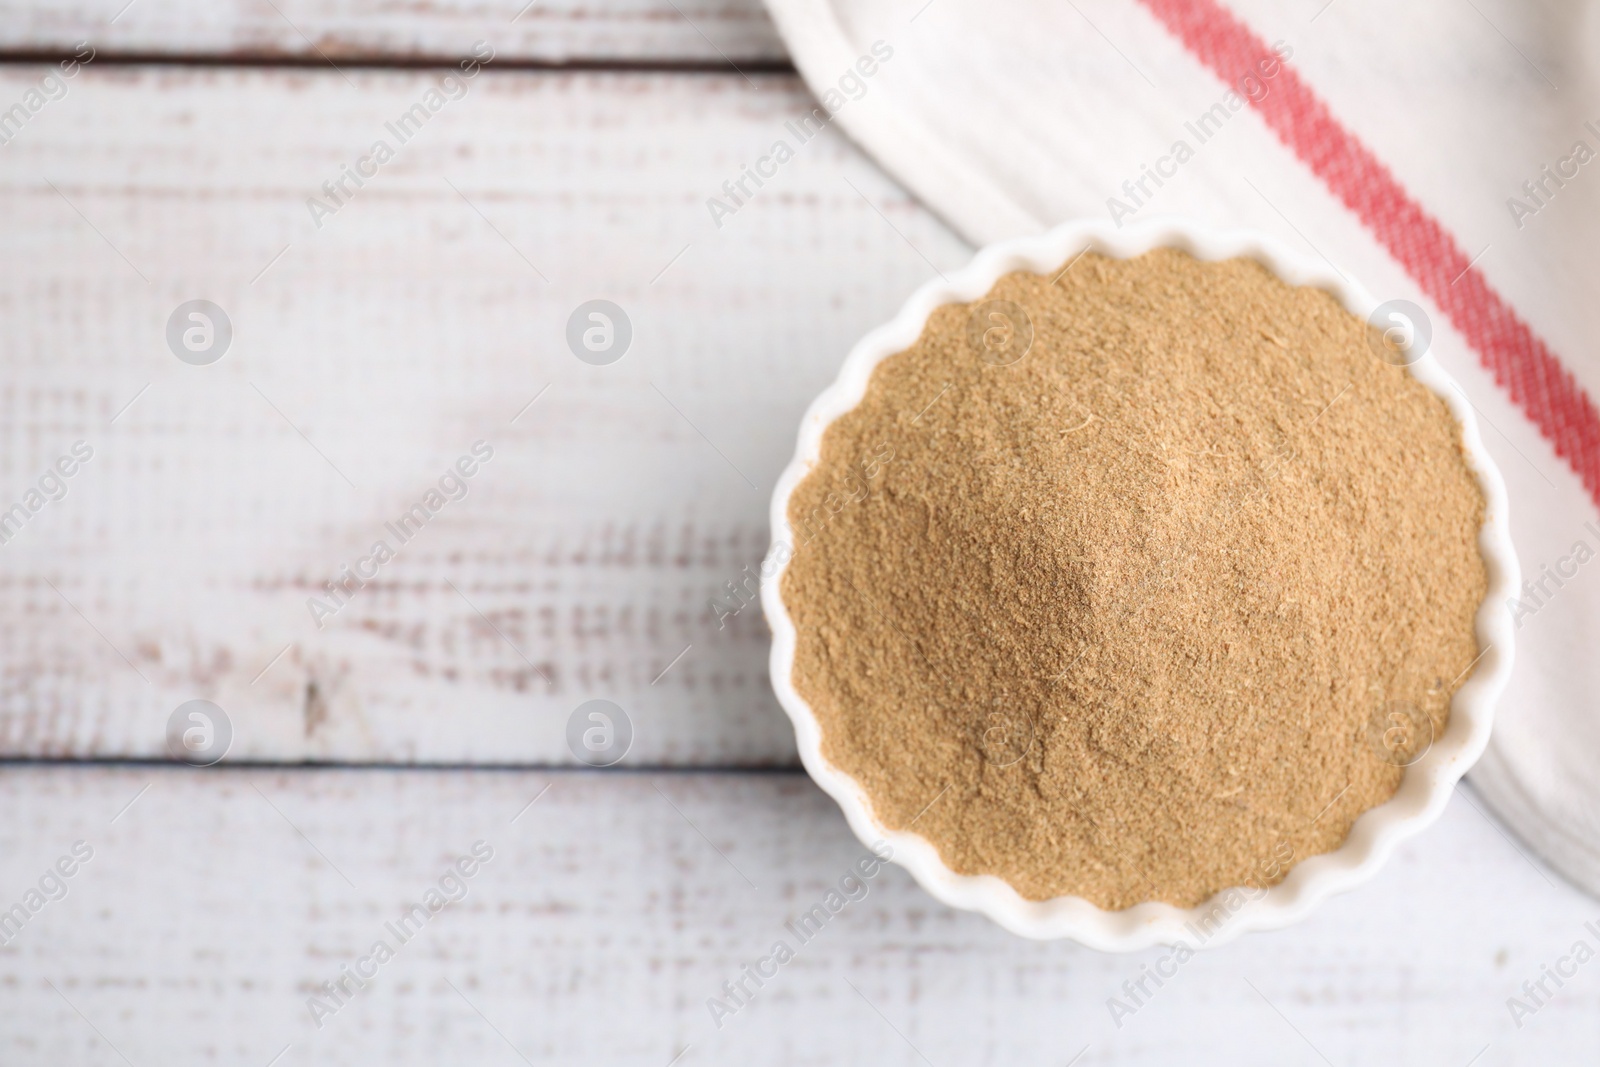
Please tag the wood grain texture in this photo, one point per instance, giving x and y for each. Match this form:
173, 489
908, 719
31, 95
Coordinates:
368, 355
320, 31
616, 905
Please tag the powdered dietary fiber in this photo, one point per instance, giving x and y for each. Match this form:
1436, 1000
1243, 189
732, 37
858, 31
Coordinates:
1169, 577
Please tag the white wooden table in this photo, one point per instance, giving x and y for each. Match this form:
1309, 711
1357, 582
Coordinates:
368, 353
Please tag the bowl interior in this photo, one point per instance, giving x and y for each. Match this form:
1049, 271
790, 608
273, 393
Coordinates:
1426, 787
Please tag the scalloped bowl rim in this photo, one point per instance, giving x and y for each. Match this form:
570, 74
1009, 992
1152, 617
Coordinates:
1428, 783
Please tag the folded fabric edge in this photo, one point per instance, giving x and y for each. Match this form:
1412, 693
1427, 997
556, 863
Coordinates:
1569, 855
895, 139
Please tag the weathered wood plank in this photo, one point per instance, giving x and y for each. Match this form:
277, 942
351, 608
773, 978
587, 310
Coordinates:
369, 353
605, 920
552, 31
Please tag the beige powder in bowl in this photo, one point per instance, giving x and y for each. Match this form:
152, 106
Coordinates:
1140, 584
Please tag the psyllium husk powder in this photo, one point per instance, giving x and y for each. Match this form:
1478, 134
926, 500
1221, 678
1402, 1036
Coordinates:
1170, 575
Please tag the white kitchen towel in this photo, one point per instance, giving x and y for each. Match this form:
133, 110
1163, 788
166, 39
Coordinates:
1444, 154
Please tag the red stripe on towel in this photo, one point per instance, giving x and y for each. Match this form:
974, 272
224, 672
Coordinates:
1519, 360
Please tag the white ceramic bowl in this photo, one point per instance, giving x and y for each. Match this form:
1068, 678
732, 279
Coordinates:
1428, 783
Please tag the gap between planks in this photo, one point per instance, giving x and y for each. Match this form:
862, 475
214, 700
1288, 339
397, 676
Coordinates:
735, 66
434, 767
